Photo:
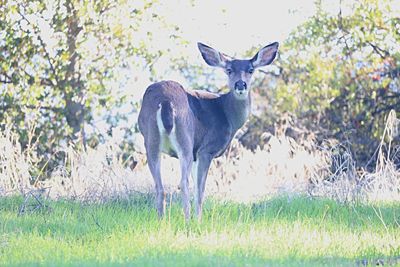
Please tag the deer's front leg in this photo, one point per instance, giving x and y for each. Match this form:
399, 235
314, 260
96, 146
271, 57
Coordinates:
199, 173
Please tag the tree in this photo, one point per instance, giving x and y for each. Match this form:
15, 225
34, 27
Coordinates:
58, 59
341, 70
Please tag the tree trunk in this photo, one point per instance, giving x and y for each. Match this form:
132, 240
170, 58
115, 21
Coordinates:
73, 90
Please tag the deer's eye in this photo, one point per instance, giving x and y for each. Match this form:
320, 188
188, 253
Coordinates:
229, 71
250, 71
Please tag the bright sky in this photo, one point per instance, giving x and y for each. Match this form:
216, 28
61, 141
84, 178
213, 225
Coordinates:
236, 26
232, 27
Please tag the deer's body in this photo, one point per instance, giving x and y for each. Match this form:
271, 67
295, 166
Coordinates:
194, 126
197, 112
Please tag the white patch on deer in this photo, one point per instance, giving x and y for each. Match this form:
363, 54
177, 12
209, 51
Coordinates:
168, 142
241, 95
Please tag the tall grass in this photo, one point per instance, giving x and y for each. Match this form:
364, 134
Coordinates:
342, 181
15, 165
283, 165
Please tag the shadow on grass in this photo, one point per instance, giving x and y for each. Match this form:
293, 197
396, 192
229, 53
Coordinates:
194, 258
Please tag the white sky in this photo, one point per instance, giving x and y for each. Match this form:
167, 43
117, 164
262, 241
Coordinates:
232, 27
236, 26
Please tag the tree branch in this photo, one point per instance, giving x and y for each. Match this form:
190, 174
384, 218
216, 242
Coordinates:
43, 44
107, 8
7, 78
5, 81
270, 73
54, 109
379, 50
344, 31
43, 81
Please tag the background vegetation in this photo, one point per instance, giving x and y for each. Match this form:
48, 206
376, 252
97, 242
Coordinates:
63, 64
340, 72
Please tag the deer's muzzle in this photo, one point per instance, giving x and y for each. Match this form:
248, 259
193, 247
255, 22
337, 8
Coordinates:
240, 85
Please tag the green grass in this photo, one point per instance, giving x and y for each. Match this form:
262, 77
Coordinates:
281, 231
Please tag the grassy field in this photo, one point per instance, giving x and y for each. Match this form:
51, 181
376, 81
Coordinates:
281, 231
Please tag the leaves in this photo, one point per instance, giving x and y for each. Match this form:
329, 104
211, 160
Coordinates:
63, 59
338, 66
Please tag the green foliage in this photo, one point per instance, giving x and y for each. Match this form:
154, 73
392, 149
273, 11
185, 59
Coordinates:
341, 70
280, 231
58, 60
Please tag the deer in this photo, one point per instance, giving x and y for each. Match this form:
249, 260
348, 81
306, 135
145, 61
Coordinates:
197, 126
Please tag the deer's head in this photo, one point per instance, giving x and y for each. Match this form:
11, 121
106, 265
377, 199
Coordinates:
239, 71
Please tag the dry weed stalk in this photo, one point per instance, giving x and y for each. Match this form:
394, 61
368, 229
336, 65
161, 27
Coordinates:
16, 164
384, 183
338, 178
92, 175
344, 183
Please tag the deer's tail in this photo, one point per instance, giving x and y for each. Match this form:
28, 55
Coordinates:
167, 116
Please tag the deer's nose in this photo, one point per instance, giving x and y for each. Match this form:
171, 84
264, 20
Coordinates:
240, 85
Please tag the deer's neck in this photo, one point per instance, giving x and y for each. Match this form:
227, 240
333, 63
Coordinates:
236, 110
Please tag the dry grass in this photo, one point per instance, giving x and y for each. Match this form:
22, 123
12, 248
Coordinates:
343, 182
15, 165
281, 166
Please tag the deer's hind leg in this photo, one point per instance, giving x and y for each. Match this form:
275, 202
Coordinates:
153, 159
186, 166
184, 148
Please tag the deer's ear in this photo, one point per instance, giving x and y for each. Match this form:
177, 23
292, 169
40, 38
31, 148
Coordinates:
211, 56
265, 56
